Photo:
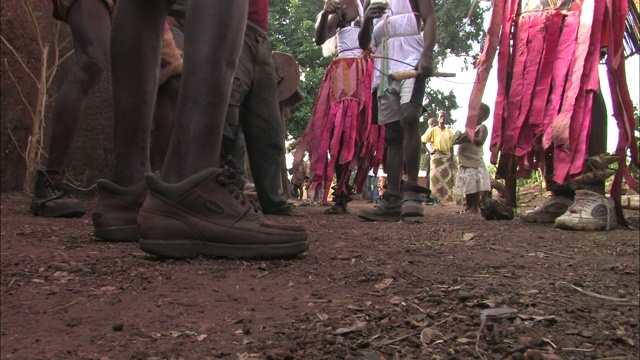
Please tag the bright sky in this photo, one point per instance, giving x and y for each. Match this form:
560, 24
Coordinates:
464, 83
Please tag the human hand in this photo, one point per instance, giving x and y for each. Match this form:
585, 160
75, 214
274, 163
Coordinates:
331, 7
374, 11
425, 65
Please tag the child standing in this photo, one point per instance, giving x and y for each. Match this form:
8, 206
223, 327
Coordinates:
473, 178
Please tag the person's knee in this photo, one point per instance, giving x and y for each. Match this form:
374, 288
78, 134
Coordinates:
91, 67
393, 133
410, 117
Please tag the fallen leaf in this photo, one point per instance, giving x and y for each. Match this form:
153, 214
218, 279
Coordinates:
358, 326
395, 300
201, 337
497, 312
384, 284
428, 335
464, 340
468, 236
322, 316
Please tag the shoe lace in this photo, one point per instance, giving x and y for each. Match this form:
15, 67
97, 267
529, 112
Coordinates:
582, 203
229, 179
550, 200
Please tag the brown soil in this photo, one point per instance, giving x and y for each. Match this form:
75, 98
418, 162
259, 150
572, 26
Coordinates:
362, 291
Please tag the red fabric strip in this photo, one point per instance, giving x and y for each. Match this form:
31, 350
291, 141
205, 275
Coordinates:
483, 66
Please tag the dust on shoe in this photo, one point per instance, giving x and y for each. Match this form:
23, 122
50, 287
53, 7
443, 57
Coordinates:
590, 212
207, 215
548, 211
389, 209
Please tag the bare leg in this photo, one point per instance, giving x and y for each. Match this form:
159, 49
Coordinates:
473, 201
394, 166
205, 90
90, 25
411, 144
134, 85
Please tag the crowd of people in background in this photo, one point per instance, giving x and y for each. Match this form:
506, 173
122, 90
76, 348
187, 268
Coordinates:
194, 127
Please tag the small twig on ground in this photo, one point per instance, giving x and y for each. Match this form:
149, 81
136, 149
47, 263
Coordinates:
557, 254
415, 332
550, 342
577, 349
63, 306
590, 293
484, 322
11, 283
325, 287
261, 275
63, 254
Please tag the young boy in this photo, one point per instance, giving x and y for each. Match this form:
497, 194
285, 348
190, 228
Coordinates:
473, 178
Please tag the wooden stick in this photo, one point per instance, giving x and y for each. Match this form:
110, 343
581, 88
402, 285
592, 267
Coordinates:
410, 74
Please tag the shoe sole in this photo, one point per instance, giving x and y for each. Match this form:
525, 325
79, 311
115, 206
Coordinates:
118, 234
539, 220
61, 214
189, 249
582, 227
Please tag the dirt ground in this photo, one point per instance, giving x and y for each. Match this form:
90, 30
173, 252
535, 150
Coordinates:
451, 287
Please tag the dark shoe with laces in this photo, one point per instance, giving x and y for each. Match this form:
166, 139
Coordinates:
285, 210
51, 198
115, 217
207, 215
389, 209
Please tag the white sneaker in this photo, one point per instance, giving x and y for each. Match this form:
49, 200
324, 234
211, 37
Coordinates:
590, 212
548, 211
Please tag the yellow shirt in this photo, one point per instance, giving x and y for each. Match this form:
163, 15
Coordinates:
442, 139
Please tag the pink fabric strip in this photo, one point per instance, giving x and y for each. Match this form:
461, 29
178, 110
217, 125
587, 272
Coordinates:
553, 21
484, 66
535, 47
564, 57
623, 110
503, 70
561, 124
516, 88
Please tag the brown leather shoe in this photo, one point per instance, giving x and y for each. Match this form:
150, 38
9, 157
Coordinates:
115, 217
206, 215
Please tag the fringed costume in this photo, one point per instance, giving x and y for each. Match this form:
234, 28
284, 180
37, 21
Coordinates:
340, 135
548, 58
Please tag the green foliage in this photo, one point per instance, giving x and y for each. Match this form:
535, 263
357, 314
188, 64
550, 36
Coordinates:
292, 29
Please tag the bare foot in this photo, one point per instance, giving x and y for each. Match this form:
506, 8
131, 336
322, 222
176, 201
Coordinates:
471, 211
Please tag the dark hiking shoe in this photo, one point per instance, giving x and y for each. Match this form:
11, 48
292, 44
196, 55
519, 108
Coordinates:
115, 217
206, 215
289, 211
336, 210
412, 205
412, 199
285, 210
51, 199
389, 209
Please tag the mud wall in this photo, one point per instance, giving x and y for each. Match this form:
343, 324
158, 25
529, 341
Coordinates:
88, 160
